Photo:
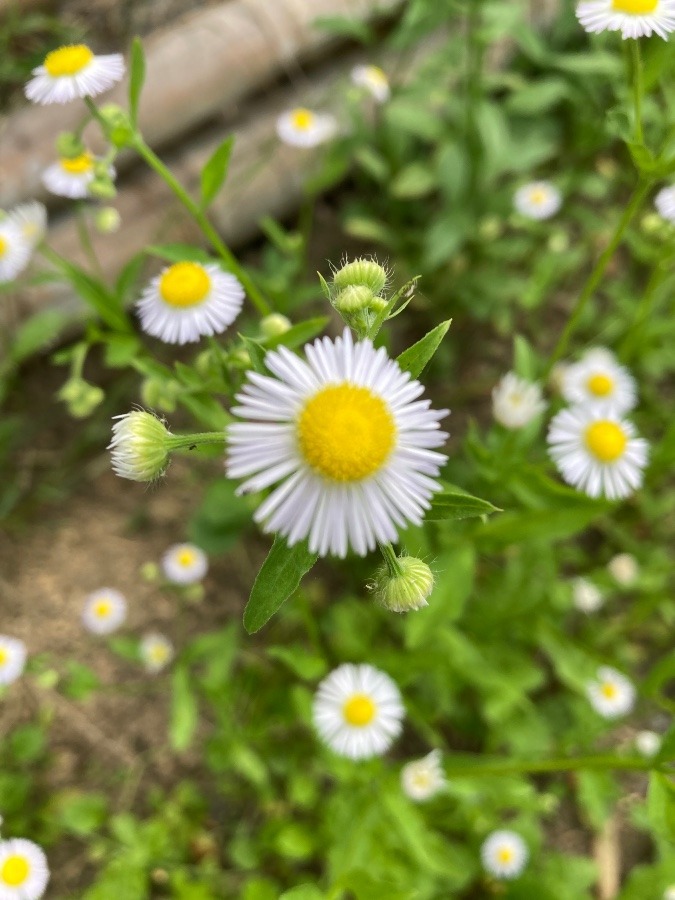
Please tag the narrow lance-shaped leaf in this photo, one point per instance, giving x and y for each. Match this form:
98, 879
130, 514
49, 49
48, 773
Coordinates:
215, 171
278, 578
184, 712
136, 78
453, 503
416, 358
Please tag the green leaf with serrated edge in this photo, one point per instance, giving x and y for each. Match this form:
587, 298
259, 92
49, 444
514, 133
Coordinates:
257, 353
175, 253
278, 578
215, 171
184, 713
136, 78
415, 359
454, 503
298, 334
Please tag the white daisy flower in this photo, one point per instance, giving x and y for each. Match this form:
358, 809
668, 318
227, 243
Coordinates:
373, 80
104, 611
344, 439
504, 854
665, 203
612, 694
515, 402
586, 596
423, 778
156, 651
15, 250
12, 659
188, 300
537, 200
72, 177
633, 18
303, 128
358, 711
648, 743
669, 893
31, 220
74, 71
185, 564
598, 378
624, 569
597, 452
24, 873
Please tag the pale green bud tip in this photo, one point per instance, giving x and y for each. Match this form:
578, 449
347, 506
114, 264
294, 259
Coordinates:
69, 146
102, 188
80, 397
353, 299
406, 591
107, 220
274, 325
139, 446
361, 272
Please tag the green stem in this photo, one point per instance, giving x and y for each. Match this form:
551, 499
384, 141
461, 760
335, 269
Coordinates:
480, 768
200, 218
638, 89
391, 560
641, 190
86, 242
188, 441
473, 92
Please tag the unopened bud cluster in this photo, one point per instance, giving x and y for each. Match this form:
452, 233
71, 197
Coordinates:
356, 292
80, 397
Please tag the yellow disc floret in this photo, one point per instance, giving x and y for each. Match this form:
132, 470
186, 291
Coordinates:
600, 385
3, 247
608, 690
505, 855
14, 872
635, 7
359, 710
102, 609
538, 196
606, 441
68, 60
78, 165
184, 284
4, 656
186, 557
302, 119
345, 432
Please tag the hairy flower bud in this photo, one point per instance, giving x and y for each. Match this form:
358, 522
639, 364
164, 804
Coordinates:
140, 446
406, 590
361, 273
107, 220
274, 325
69, 145
353, 299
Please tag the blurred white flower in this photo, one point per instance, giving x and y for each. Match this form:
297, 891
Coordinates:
611, 694
156, 651
538, 200
633, 18
504, 854
15, 250
624, 569
71, 72
586, 596
665, 203
648, 743
104, 611
185, 564
597, 379
24, 873
374, 80
72, 176
303, 128
515, 402
423, 778
31, 220
12, 659
669, 893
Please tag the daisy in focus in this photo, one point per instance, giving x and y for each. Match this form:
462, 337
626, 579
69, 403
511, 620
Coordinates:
358, 711
104, 611
515, 402
12, 659
597, 451
15, 250
72, 176
31, 220
599, 378
345, 440
624, 569
538, 200
24, 873
188, 300
587, 598
423, 778
156, 652
184, 564
71, 72
303, 128
665, 203
504, 854
633, 18
373, 80
611, 694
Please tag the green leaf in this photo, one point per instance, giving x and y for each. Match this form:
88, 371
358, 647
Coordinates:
215, 171
661, 806
93, 293
278, 578
175, 253
301, 662
257, 353
538, 525
454, 503
415, 359
524, 359
299, 334
415, 180
184, 713
303, 892
39, 331
136, 78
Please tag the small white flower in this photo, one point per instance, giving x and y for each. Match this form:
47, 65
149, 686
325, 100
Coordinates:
104, 611
515, 402
612, 694
624, 569
74, 71
537, 200
12, 659
504, 854
648, 743
156, 651
665, 203
303, 128
586, 596
346, 441
423, 778
599, 379
633, 18
358, 711
669, 893
188, 300
31, 220
139, 446
184, 564
15, 251
597, 451
374, 80
71, 177
24, 873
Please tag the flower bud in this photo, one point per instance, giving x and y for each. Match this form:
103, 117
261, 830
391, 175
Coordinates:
102, 189
69, 145
624, 569
652, 223
353, 299
490, 228
117, 125
140, 446
80, 397
406, 590
274, 325
107, 220
361, 272
559, 242
160, 393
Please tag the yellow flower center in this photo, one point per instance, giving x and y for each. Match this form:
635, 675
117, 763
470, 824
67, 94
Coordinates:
635, 7
186, 557
158, 653
538, 196
606, 441
600, 385
15, 870
376, 75
302, 119
505, 855
68, 60
346, 432
422, 779
102, 609
4, 656
608, 690
3, 247
78, 165
184, 284
359, 710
